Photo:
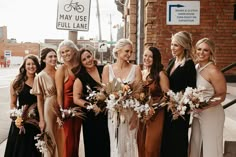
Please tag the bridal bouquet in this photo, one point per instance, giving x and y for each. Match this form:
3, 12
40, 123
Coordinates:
44, 143
117, 96
26, 114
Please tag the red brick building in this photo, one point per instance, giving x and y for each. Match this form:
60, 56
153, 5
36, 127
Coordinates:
146, 24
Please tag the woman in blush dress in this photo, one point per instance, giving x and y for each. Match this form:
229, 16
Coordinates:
155, 78
21, 145
68, 52
182, 74
45, 90
123, 131
95, 129
208, 122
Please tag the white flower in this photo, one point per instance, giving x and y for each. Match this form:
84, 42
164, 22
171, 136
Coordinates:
112, 97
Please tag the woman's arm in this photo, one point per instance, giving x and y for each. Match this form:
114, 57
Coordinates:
13, 97
164, 82
40, 105
218, 82
77, 93
138, 74
59, 80
105, 74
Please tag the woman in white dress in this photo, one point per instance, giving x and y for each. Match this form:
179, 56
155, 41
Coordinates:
122, 131
208, 122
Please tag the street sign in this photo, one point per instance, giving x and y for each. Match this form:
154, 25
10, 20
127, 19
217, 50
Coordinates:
7, 53
73, 15
102, 47
183, 13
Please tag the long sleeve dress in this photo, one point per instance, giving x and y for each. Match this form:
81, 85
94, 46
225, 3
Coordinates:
175, 132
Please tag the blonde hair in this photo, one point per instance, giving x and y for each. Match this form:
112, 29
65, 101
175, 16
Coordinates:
211, 45
184, 39
119, 45
67, 43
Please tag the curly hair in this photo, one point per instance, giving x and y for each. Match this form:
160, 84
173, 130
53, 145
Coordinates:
20, 79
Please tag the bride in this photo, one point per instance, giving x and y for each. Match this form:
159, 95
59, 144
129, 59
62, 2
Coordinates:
122, 131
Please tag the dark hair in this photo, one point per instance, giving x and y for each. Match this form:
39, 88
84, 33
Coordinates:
156, 66
43, 55
20, 79
80, 67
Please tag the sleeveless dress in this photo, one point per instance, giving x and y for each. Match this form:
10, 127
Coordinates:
71, 126
123, 141
95, 129
45, 85
150, 133
21, 145
208, 125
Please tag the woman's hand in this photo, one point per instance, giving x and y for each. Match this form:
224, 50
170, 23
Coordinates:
96, 109
151, 112
42, 125
133, 121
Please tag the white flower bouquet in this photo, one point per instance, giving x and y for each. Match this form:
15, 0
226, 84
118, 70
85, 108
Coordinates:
44, 143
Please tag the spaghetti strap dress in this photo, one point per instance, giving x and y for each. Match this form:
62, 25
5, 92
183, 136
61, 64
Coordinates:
21, 145
71, 126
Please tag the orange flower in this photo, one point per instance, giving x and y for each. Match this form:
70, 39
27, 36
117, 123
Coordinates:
18, 122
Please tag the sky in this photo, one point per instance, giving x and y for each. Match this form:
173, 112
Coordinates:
35, 20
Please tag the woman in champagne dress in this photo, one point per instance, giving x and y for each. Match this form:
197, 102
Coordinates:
45, 90
123, 127
208, 122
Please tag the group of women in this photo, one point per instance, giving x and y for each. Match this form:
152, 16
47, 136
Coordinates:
121, 134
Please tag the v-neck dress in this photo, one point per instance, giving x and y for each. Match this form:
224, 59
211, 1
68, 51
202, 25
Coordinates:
175, 133
95, 129
123, 140
45, 85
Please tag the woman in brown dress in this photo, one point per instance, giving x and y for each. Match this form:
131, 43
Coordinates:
155, 78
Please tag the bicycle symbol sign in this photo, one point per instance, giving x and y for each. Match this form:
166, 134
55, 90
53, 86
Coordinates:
76, 6
73, 15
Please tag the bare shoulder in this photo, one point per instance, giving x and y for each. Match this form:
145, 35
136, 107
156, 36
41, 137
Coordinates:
61, 68
214, 72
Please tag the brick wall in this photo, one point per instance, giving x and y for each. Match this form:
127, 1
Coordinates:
216, 22
19, 49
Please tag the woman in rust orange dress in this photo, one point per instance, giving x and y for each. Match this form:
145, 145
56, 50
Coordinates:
68, 52
155, 78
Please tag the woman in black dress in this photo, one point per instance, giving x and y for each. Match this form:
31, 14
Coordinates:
181, 72
95, 127
22, 143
